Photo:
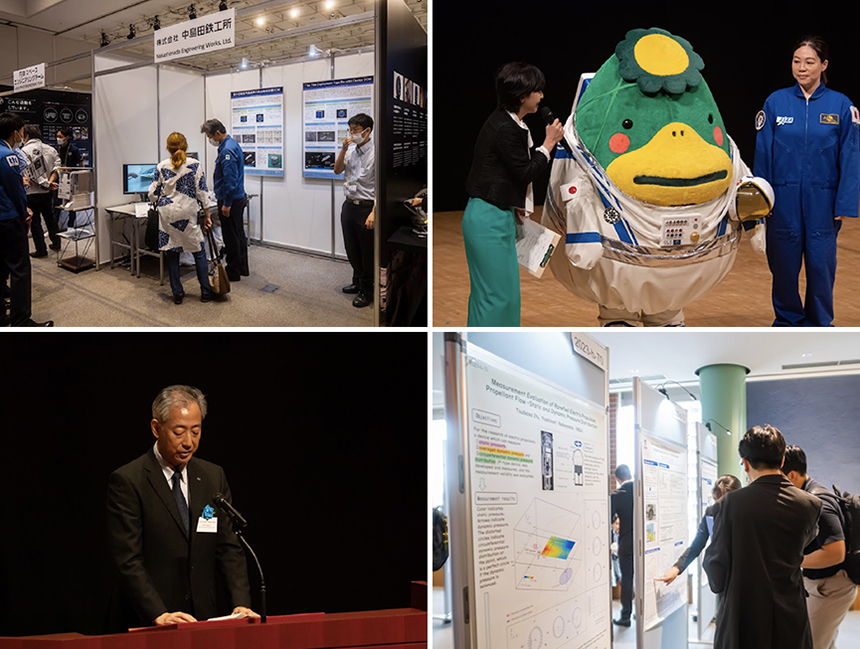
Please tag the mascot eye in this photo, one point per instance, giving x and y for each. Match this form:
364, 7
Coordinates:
710, 119
627, 124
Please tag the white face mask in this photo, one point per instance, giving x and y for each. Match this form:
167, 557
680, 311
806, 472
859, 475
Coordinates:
62, 141
361, 138
213, 142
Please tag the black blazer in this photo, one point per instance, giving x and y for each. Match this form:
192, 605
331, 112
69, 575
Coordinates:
622, 506
503, 166
698, 544
161, 568
754, 560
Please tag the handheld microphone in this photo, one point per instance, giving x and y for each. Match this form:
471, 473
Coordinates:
221, 502
549, 118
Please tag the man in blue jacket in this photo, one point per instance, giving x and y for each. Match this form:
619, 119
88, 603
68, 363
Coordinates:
14, 223
229, 187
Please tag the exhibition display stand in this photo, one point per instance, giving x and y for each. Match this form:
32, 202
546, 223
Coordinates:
706, 607
659, 518
528, 496
404, 628
123, 214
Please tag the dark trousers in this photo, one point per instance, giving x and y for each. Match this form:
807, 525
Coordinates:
15, 266
625, 559
201, 266
235, 242
358, 241
42, 206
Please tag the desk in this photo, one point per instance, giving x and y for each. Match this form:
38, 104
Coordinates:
402, 628
121, 213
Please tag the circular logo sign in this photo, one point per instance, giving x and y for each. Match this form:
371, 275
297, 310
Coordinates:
50, 114
81, 116
611, 216
66, 115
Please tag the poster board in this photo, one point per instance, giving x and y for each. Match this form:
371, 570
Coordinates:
538, 504
708, 474
660, 518
328, 106
257, 118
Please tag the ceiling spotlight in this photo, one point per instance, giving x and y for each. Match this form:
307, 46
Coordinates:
105, 40
329, 4
244, 64
261, 21
132, 32
313, 51
222, 6
294, 13
156, 24
192, 12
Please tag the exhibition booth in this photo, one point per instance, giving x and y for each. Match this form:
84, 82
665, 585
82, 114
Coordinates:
289, 114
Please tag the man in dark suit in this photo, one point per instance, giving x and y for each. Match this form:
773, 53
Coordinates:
622, 506
164, 533
754, 559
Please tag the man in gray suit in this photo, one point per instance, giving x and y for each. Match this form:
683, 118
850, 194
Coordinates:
754, 559
166, 536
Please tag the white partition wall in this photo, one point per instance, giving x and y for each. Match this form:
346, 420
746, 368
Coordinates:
527, 492
659, 518
708, 474
182, 109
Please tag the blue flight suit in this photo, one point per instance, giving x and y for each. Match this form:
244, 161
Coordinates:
229, 187
14, 245
809, 151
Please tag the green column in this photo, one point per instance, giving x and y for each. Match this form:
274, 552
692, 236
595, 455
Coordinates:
722, 390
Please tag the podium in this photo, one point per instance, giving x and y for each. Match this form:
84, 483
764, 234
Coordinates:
402, 628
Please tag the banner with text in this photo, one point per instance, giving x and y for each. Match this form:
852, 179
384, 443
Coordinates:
29, 78
207, 34
328, 105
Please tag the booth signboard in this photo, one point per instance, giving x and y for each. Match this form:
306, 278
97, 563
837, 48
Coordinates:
201, 35
52, 110
29, 78
328, 106
538, 466
258, 127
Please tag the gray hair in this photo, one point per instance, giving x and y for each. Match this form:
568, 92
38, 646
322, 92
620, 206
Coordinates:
212, 126
177, 395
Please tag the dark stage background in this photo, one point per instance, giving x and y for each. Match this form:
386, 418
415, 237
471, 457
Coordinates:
323, 438
746, 49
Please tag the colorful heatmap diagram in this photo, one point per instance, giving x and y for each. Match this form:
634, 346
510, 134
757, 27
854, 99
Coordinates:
557, 548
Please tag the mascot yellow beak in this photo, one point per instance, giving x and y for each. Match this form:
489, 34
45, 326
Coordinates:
677, 167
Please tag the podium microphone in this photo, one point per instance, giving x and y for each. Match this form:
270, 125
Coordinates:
238, 523
549, 118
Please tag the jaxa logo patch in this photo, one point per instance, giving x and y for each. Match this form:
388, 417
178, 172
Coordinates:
782, 121
13, 160
829, 118
227, 157
760, 119
855, 115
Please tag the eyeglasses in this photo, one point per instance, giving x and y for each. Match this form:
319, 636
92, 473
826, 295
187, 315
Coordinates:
355, 130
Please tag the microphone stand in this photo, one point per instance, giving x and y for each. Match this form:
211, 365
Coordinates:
237, 528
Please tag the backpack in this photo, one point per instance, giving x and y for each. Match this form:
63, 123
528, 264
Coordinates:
440, 539
850, 506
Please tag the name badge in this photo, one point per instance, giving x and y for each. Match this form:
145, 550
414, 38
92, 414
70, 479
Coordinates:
352, 187
207, 525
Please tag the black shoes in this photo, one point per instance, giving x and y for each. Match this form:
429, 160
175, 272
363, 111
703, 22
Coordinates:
622, 622
361, 300
211, 297
38, 254
234, 276
33, 323
352, 289
177, 299
55, 246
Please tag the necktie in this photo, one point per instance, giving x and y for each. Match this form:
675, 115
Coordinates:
180, 500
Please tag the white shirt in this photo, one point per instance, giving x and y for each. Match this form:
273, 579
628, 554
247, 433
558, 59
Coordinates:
42, 161
169, 471
359, 172
530, 201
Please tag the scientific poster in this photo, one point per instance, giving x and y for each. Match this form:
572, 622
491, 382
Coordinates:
258, 127
540, 508
328, 105
664, 490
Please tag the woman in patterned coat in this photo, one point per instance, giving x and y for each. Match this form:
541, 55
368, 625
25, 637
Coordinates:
179, 187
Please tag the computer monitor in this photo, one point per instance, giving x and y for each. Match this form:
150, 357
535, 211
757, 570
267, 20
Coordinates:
136, 178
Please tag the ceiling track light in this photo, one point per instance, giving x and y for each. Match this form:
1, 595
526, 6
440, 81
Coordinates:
105, 40
222, 6
132, 32
192, 12
156, 24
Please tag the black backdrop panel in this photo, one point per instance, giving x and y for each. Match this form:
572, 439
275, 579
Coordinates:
323, 438
746, 49
51, 109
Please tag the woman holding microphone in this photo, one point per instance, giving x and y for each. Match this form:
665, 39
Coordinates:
499, 186
808, 148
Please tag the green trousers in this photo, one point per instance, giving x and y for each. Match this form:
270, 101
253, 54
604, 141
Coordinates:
489, 234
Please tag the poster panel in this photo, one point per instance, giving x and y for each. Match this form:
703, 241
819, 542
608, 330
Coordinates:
258, 126
540, 507
328, 105
664, 492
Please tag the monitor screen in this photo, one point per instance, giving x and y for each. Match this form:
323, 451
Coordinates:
137, 178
